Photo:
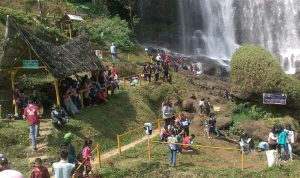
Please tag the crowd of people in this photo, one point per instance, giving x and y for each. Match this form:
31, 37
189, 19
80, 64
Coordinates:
64, 168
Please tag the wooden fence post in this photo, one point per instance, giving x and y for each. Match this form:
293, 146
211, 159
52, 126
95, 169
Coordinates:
119, 145
149, 149
81, 99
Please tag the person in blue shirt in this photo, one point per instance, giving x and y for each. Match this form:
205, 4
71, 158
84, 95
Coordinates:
282, 144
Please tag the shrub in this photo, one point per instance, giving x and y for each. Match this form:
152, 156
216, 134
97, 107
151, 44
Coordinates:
113, 30
254, 70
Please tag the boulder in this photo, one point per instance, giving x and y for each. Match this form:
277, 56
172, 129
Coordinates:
187, 105
224, 122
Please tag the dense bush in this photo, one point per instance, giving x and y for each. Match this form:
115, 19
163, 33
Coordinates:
244, 111
113, 30
254, 70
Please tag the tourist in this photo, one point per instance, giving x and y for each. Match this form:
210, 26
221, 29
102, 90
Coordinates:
165, 133
18, 100
113, 51
185, 124
31, 113
207, 127
147, 72
212, 121
167, 59
242, 143
207, 106
156, 70
282, 142
201, 105
172, 140
251, 145
70, 106
5, 171
87, 155
290, 139
187, 141
158, 59
166, 71
113, 70
63, 169
59, 117
39, 171
79, 171
168, 113
68, 147
272, 140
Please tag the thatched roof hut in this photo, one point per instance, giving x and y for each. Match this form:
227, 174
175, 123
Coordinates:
61, 61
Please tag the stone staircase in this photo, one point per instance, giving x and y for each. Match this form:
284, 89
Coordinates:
42, 146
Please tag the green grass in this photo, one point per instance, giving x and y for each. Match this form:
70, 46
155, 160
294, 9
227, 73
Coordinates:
13, 142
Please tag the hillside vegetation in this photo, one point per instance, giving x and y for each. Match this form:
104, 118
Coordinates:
255, 70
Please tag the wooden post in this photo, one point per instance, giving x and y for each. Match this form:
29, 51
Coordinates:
81, 99
29, 50
140, 79
158, 124
98, 156
57, 92
97, 76
149, 149
119, 145
12, 77
128, 57
123, 82
106, 91
242, 159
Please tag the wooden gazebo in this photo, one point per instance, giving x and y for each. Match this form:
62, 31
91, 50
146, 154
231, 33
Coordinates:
67, 23
24, 51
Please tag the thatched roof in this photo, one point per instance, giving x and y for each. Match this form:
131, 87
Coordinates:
73, 57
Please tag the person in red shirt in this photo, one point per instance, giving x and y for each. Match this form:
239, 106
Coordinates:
39, 171
113, 70
188, 140
167, 59
31, 113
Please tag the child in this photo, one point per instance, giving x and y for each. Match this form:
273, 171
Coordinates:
206, 130
79, 172
39, 171
87, 155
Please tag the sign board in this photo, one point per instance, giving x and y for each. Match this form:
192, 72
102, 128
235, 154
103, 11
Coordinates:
274, 98
31, 64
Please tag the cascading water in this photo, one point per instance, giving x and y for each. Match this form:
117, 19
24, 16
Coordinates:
215, 28
274, 25
207, 27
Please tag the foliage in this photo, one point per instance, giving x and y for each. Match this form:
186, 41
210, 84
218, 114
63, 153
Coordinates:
254, 70
33, 80
48, 34
114, 30
87, 7
244, 111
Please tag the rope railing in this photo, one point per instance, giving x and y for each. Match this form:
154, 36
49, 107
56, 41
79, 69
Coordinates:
149, 141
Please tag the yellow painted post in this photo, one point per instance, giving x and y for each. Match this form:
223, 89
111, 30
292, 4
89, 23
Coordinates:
140, 79
242, 159
119, 145
81, 99
123, 82
158, 124
98, 156
149, 149
57, 92
128, 57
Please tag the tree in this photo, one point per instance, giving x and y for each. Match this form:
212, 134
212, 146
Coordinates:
129, 5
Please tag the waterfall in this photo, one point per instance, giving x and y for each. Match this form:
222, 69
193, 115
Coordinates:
216, 28
272, 24
207, 28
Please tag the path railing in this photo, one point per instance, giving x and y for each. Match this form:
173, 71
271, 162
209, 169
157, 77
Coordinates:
156, 124
150, 142
98, 156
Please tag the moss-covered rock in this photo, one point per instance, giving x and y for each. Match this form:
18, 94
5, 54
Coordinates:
255, 70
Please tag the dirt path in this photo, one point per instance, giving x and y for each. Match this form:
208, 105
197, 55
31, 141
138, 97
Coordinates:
115, 152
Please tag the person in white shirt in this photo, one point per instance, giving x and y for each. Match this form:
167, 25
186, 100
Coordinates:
63, 169
290, 139
5, 171
201, 105
113, 51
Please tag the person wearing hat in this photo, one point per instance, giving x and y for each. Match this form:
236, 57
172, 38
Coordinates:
67, 146
5, 171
